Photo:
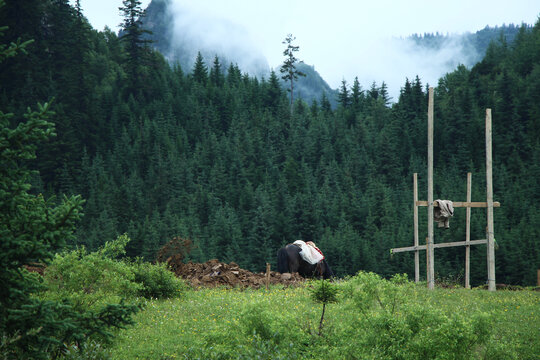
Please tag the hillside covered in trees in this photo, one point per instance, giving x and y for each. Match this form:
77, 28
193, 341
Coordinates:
213, 154
474, 44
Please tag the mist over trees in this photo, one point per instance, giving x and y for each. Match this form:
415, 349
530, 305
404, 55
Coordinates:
213, 154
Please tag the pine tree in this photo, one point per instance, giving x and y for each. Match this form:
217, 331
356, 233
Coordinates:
134, 41
200, 70
234, 75
383, 92
216, 73
344, 97
273, 93
288, 68
357, 95
325, 103
31, 228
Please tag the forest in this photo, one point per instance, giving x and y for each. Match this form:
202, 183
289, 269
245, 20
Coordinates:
215, 155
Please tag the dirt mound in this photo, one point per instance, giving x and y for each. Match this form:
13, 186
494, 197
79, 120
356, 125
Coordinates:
215, 273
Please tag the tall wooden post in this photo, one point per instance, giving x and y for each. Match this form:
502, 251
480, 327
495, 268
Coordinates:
416, 253
427, 260
489, 188
468, 234
429, 250
267, 275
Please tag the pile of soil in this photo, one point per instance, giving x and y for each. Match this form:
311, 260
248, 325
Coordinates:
214, 273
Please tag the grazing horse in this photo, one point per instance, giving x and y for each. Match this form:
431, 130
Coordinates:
290, 260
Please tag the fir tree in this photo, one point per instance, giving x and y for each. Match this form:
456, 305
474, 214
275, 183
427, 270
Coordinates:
133, 38
200, 70
31, 229
216, 73
288, 68
344, 97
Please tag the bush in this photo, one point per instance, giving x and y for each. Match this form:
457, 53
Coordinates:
394, 326
157, 281
257, 320
90, 279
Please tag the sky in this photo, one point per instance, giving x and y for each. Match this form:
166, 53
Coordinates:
343, 39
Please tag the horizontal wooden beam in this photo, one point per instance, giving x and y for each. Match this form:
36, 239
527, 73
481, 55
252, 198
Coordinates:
456, 204
441, 245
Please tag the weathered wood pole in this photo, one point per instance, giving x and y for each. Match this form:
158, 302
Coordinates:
489, 190
468, 235
427, 260
430, 253
416, 253
267, 275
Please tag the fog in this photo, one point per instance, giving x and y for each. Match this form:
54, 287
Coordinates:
393, 60
195, 31
372, 58
344, 39
341, 38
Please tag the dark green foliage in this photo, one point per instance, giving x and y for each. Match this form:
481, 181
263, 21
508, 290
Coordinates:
31, 229
214, 155
200, 70
134, 41
288, 69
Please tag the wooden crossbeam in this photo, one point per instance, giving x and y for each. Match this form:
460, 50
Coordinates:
440, 245
456, 204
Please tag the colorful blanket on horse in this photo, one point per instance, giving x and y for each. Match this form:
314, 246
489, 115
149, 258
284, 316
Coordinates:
309, 253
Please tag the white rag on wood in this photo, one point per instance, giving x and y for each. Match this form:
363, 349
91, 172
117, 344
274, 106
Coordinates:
309, 253
443, 213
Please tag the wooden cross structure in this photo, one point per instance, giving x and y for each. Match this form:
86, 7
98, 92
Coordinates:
489, 204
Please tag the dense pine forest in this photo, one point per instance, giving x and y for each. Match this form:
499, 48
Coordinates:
215, 155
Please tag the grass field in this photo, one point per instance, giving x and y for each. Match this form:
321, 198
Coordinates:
374, 319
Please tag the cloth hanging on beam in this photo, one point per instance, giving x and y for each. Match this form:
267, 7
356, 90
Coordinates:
443, 213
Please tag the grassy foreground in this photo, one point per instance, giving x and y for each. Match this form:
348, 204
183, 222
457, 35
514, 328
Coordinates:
374, 319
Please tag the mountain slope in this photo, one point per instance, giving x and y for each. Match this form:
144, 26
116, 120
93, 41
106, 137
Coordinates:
470, 47
312, 86
179, 35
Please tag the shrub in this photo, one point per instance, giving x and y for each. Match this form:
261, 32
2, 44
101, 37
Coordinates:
257, 320
369, 291
157, 281
394, 326
89, 279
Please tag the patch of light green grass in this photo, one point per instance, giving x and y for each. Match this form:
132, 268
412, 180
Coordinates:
204, 319
217, 323
515, 315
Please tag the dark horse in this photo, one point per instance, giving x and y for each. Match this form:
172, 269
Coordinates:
289, 260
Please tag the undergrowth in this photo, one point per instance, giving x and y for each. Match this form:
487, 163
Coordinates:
372, 318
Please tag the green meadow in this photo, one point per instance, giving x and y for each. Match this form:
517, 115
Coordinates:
373, 319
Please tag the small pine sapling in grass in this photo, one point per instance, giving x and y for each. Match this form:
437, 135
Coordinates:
324, 293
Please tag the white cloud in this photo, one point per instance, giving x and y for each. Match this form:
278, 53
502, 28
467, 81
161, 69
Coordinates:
342, 38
